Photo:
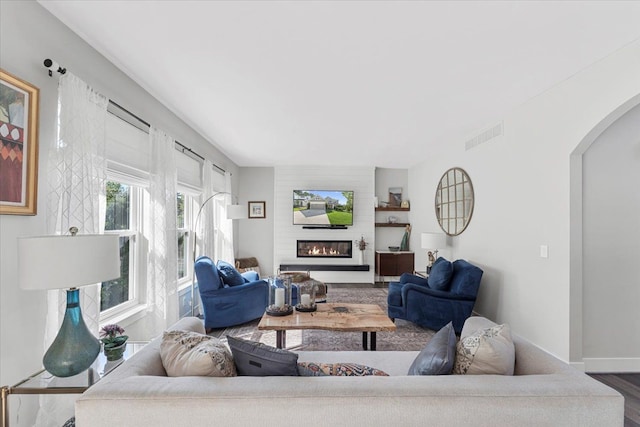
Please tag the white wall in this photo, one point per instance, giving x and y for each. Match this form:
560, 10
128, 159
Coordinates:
522, 186
255, 235
28, 35
611, 247
359, 179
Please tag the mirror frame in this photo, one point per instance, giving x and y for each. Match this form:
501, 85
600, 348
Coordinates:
455, 190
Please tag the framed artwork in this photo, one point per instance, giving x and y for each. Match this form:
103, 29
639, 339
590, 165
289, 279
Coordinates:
257, 210
18, 146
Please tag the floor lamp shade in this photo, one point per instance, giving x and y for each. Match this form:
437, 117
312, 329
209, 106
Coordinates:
58, 262
236, 212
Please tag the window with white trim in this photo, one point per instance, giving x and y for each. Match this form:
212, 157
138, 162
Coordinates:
122, 217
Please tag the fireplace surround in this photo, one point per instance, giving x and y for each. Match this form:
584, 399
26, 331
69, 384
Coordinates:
324, 248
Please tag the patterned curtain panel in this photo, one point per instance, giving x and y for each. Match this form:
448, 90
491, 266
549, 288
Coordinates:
76, 175
162, 266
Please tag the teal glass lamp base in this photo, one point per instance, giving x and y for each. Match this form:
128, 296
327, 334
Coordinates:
75, 347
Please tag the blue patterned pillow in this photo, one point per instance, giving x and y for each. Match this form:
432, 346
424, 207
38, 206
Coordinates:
229, 274
440, 276
313, 369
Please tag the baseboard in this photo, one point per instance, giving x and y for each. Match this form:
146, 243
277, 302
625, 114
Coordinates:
578, 365
611, 365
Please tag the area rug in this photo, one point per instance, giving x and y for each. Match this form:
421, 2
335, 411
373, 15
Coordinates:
407, 336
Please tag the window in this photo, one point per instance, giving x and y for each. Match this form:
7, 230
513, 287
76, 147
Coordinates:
122, 218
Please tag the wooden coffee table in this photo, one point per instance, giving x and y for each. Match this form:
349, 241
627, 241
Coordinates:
365, 318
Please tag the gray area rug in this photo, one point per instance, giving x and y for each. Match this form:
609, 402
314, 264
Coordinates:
407, 336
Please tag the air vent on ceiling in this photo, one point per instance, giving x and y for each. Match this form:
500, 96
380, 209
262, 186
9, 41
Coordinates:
485, 136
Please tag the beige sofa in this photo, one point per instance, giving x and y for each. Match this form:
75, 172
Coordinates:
543, 392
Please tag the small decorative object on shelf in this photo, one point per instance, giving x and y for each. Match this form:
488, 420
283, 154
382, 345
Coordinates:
307, 293
114, 342
279, 296
362, 246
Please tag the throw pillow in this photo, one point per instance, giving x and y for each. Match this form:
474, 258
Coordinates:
229, 274
192, 354
313, 369
261, 360
486, 351
438, 356
440, 276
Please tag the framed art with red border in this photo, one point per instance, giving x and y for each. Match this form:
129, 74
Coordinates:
18, 145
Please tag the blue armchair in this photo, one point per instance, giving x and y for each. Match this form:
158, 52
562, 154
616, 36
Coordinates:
447, 296
228, 297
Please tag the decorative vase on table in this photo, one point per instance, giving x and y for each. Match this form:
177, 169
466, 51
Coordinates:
115, 353
361, 257
114, 342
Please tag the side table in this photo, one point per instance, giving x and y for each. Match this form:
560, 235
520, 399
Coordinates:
42, 382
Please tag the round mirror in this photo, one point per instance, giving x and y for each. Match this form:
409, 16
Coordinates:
454, 201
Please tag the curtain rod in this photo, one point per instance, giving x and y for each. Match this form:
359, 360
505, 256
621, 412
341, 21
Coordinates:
54, 66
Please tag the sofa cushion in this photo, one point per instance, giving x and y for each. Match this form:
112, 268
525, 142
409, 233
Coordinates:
438, 356
314, 369
440, 275
486, 351
261, 360
185, 353
230, 276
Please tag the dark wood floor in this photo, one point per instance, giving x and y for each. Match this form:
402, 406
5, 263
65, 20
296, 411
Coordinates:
629, 386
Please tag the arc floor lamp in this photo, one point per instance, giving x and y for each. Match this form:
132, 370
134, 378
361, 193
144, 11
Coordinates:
233, 212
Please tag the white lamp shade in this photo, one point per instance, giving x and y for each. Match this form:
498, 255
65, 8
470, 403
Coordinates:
58, 262
433, 240
236, 212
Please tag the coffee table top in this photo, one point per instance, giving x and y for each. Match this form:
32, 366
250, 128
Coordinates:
332, 317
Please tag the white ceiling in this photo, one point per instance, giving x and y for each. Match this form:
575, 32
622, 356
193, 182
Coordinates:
376, 83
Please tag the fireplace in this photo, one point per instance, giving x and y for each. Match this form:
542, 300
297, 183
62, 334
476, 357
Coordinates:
324, 248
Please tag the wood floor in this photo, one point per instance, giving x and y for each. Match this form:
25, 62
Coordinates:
629, 386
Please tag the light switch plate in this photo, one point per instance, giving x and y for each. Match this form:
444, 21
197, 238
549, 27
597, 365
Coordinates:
544, 251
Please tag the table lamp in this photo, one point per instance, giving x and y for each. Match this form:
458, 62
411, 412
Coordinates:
433, 241
69, 261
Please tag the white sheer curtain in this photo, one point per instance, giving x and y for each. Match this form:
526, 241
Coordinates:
205, 225
225, 226
161, 233
77, 175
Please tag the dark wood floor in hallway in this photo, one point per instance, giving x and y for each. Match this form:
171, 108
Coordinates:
629, 386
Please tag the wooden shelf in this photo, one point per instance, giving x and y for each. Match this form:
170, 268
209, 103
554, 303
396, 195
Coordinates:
394, 209
392, 224
323, 267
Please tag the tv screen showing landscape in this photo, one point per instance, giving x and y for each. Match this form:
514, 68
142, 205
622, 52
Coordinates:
321, 207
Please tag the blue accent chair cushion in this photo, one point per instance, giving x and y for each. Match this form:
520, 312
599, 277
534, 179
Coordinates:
440, 275
438, 356
230, 276
434, 308
225, 306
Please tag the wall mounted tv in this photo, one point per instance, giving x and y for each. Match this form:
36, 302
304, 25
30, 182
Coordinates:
322, 208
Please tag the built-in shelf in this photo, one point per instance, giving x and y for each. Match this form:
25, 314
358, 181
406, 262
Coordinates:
394, 209
391, 224
324, 267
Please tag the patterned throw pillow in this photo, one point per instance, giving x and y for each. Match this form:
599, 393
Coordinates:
486, 351
229, 274
192, 354
313, 369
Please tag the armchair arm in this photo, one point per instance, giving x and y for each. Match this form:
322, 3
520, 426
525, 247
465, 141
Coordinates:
412, 278
235, 290
410, 287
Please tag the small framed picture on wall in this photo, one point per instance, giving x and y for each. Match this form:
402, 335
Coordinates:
257, 210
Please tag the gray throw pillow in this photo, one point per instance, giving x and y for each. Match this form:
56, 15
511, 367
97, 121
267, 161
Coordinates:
261, 360
438, 356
